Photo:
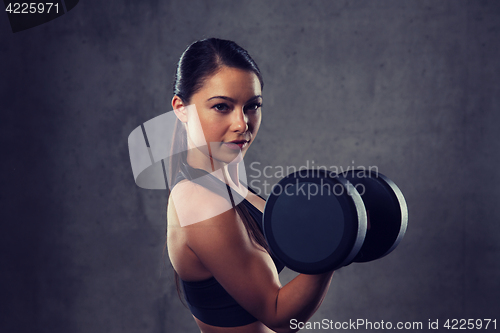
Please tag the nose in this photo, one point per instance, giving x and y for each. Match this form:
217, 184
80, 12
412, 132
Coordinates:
239, 121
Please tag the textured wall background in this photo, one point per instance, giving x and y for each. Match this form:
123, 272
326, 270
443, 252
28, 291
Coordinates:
409, 86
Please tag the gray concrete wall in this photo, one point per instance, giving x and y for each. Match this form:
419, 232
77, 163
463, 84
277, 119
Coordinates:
409, 86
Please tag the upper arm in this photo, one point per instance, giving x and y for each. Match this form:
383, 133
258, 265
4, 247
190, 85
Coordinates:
241, 266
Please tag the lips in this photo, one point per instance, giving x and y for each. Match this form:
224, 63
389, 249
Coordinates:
236, 144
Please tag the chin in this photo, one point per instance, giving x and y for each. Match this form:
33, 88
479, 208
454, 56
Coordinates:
231, 158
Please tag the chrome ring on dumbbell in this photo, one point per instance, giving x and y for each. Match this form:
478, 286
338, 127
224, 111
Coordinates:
386, 209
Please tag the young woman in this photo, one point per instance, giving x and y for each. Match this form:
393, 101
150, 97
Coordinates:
214, 236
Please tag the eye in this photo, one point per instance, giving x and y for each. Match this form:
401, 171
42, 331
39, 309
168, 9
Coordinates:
253, 107
221, 107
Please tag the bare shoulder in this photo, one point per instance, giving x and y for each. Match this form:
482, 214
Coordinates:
194, 203
200, 222
208, 220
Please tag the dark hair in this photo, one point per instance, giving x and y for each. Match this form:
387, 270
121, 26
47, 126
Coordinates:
198, 62
203, 59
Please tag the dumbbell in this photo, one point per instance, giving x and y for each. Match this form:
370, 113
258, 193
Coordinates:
316, 221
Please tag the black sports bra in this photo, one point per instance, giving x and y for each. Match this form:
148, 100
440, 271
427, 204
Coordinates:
208, 301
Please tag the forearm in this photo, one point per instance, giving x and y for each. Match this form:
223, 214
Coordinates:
300, 298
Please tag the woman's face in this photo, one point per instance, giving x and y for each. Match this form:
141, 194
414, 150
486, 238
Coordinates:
228, 110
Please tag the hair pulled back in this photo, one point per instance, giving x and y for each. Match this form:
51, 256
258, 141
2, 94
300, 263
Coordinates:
203, 59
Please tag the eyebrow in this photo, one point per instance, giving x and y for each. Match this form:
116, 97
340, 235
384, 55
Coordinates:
232, 100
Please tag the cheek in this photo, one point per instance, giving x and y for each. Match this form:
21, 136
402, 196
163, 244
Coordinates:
254, 122
211, 127
195, 128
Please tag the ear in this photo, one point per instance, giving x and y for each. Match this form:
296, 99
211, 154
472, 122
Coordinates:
179, 108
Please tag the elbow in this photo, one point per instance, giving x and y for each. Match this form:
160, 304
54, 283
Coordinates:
278, 325
282, 327
278, 321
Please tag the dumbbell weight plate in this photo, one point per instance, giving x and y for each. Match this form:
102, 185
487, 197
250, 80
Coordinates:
314, 223
387, 213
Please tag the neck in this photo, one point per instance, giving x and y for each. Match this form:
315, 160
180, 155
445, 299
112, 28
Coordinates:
227, 173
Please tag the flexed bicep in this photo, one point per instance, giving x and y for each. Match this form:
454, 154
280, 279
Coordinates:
239, 264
